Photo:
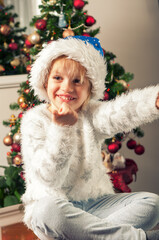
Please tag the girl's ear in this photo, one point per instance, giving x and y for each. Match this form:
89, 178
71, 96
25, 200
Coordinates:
45, 85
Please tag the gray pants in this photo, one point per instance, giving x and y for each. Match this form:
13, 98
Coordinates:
122, 216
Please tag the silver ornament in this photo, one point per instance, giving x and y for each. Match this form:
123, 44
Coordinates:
16, 138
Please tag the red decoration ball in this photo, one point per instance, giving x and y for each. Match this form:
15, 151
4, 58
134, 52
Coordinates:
28, 43
28, 68
106, 96
20, 115
27, 91
86, 34
16, 147
139, 149
113, 147
90, 21
131, 144
13, 46
40, 24
78, 4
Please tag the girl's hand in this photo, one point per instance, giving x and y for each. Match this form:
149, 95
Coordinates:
157, 101
65, 115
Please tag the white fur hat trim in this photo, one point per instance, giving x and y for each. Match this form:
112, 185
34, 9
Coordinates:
77, 50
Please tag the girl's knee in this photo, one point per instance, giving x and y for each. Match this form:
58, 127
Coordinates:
48, 215
153, 200
152, 207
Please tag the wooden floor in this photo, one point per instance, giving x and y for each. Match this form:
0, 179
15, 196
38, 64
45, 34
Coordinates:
17, 232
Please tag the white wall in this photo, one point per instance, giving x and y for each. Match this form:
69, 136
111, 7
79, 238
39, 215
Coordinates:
130, 30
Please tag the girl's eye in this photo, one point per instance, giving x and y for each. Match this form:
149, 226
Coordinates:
76, 80
57, 78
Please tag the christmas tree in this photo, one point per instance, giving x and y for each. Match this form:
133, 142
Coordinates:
60, 19
12, 57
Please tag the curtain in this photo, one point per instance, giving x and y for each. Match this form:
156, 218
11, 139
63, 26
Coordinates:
25, 9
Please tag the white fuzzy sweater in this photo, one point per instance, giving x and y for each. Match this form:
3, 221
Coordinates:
65, 161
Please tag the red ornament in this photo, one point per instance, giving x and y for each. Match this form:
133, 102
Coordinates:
28, 43
131, 144
139, 149
40, 24
90, 21
28, 68
20, 115
113, 147
106, 96
16, 147
13, 46
8, 153
27, 90
86, 34
78, 4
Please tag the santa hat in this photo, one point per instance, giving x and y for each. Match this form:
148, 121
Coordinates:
85, 50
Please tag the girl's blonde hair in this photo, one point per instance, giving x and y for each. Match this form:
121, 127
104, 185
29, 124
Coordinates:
73, 69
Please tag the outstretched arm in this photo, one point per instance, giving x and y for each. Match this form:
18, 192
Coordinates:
126, 111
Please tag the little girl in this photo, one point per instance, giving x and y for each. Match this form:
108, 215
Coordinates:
68, 194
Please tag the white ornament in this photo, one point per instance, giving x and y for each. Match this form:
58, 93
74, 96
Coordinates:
62, 22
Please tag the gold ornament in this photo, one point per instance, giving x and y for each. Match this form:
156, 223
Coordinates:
21, 99
12, 120
2, 69
5, 45
16, 137
34, 38
5, 29
68, 32
8, 141
26, 50
15, 62
17, 160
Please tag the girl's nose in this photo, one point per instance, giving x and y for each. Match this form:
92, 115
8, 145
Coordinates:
67, 85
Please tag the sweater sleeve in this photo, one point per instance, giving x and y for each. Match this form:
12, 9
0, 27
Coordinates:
46, 148
126, 111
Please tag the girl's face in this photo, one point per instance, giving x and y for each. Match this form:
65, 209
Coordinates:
65, 84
